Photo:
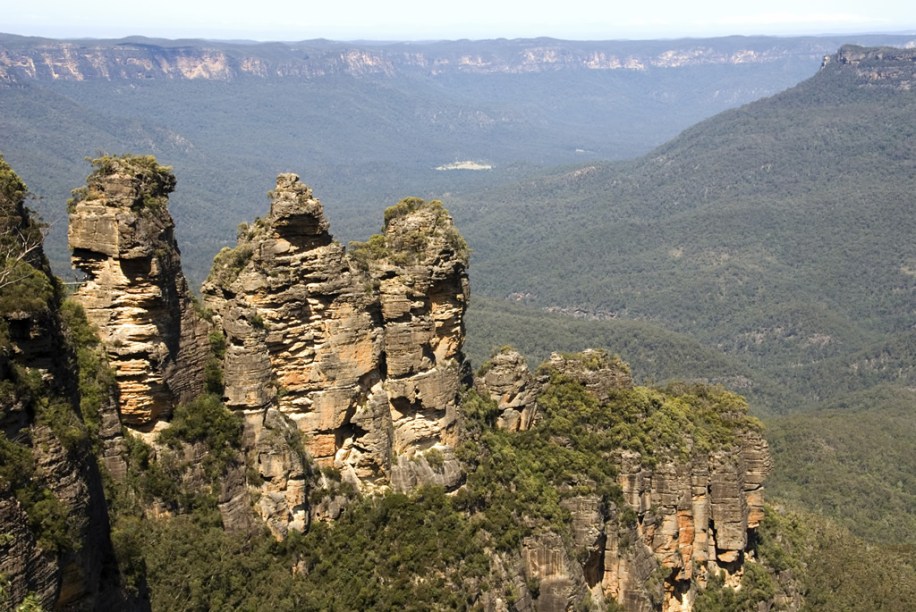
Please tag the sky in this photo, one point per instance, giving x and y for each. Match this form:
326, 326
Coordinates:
290, 20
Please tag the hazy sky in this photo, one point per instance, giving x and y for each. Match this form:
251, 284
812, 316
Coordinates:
437, 19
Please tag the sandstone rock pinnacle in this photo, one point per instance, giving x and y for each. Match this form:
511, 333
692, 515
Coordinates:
121, 237
361, 352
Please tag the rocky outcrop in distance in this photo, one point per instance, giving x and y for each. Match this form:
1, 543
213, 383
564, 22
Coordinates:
885, 67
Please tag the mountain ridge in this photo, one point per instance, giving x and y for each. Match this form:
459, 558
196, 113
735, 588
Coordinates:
24, 59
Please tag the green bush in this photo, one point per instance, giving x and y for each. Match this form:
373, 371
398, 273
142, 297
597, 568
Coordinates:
206, 420
228, 264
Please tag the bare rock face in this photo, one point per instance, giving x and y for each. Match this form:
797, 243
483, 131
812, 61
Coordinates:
507, 381
121, 236
881, 68
686, 515
549, 571
695, 516
423, 294
55, 542
274, 452
362, 353
302, 348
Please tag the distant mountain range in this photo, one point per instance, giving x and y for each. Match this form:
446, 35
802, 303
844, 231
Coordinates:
139, 58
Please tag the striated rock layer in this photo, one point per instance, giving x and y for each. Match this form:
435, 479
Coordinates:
362, 354
121, 236
352, 362
683, 517
55, 545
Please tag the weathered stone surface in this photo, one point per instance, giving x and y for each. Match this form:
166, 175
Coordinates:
62, 572
274, 451
437, 466
547, 567
27, 567
364, 356
508, 382
302, 332
423, 294
121, 236
695, 515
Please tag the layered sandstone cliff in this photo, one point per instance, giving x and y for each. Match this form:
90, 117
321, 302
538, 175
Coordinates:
363, 355
55, 546
686, 513
121, 237
24, 59
352, 364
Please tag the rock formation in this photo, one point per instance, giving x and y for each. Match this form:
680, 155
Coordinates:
55, 545
355, 361
882, 68
121, 236
505, 379
23, 59
694, 517
343, 371
363, 355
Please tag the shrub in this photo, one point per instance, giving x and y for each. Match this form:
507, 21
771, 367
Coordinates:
228, 264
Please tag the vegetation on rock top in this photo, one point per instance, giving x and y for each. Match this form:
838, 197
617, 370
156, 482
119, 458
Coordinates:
411, 227
152, 182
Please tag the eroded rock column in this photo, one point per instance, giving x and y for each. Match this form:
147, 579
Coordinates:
121, 237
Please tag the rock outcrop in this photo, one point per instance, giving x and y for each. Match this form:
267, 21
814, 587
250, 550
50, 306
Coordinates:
685, 515
881, 68
505, 379
361, 354
302, 333
342, 372
353, 363
55, 545
423, 294
135, 293
694, 516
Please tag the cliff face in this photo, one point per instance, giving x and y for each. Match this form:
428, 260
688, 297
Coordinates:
140, 59
121, 237
884, 68
689, 509
53, 515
